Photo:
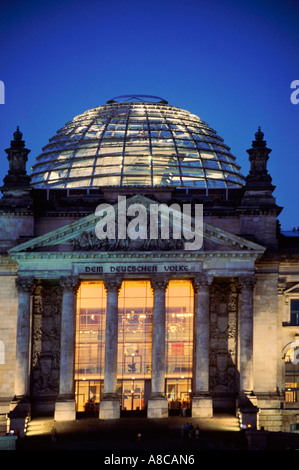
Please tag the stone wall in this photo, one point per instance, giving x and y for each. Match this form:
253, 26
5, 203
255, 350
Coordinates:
8, 326
265, 333
13, 227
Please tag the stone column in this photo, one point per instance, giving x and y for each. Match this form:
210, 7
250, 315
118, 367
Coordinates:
281, 287
158, 404
20, 406
246, 334
110, 405
65, 406
202, 404
24, 286
247, 401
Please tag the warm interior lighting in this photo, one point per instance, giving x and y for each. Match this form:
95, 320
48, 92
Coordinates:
134, 341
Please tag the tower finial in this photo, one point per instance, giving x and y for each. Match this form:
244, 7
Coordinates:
18, 134
259, 135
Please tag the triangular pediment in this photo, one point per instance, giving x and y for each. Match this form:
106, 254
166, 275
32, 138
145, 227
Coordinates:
80, 236
294, 289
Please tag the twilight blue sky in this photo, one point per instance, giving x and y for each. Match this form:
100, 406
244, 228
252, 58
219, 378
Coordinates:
229, 62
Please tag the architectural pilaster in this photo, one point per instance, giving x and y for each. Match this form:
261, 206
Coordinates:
65, 408
247, 283
20, 407
109, 405
24, 286
202, 405
247, 401
158, 404
281, 287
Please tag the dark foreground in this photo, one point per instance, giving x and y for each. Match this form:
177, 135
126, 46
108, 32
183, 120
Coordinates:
165, 436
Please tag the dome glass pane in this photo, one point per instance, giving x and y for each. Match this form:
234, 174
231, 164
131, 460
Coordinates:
136, 140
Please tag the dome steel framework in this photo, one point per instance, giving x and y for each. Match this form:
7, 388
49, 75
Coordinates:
136, 140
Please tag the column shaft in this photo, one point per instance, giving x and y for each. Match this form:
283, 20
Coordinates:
202, 404
158, 404
109, 405
24, 286
65, 407
158, 344
246, 334
201, 334
112, 286
68, 324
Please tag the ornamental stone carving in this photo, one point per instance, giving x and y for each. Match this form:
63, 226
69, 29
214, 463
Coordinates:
202, 281
112, 282
223, 336
159, 283
25, 284
88, 240
47, 302
281, 285
70, 283
247, 281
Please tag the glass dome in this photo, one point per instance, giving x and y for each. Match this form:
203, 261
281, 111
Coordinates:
136, 140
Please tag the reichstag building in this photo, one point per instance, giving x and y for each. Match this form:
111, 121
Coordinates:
104, 313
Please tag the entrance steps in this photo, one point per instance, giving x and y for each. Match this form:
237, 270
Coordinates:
43, 425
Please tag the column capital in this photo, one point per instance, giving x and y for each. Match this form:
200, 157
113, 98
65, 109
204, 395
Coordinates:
70, 283
159, 282
112, 282
247, 280
202, 281
25, 284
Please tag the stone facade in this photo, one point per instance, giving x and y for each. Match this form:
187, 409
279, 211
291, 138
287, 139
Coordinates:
243, 277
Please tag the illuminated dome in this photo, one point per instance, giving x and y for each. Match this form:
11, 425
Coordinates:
136, 140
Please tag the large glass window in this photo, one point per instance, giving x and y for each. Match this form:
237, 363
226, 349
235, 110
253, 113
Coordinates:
134, 367
135, 310
292, 375
90, 331
90, 346
294, 311
179, 328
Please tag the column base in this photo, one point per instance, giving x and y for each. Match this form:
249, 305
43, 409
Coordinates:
65, 410
109, 409
157, 407
202, 407
247, 409
19, 414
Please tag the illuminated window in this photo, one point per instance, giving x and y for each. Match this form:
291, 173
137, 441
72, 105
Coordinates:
294, 305
292, 375
179, 328
90, 331
135, 310
135, 318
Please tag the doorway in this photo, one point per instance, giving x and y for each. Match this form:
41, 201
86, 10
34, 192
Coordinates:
179, 396
133, 395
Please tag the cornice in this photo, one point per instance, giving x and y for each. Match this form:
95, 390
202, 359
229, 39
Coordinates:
124, 255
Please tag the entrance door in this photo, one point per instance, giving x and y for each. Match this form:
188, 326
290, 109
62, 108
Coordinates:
88, 396
133, 395
178, 394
